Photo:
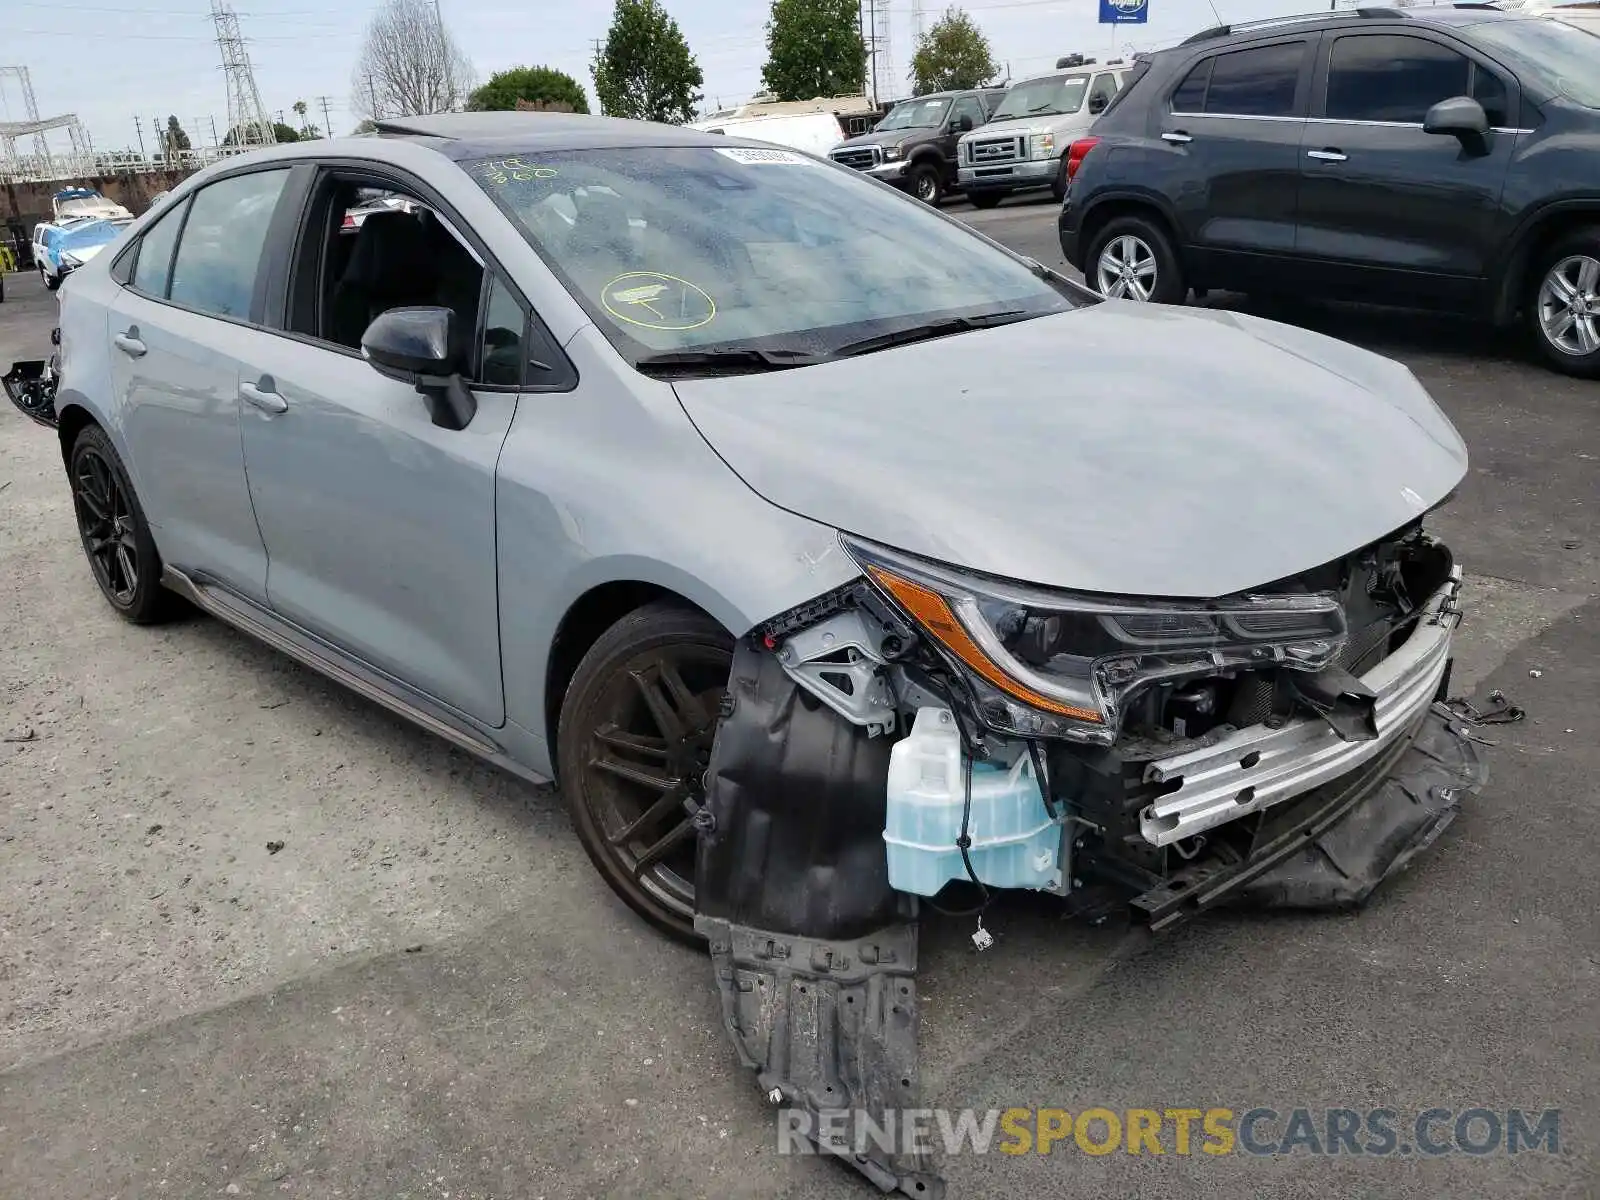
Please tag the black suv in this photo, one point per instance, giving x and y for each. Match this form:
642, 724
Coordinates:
914, 147
1441, 157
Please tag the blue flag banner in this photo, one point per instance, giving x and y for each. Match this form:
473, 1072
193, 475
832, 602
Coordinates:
1124, 12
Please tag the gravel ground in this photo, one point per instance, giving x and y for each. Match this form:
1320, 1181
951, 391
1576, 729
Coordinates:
426, 991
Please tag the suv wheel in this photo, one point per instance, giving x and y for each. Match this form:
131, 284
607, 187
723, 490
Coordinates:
1565, 305
633, 747
1132, 259
925, 185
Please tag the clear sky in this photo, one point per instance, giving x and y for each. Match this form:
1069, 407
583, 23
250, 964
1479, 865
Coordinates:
115, 61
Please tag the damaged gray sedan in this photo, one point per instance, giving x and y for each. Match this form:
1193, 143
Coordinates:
831, 557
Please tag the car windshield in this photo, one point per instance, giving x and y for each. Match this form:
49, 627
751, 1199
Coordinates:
1039, 97
916, 114
1564, 58
680, 248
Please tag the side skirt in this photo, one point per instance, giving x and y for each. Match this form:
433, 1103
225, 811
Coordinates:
342, 668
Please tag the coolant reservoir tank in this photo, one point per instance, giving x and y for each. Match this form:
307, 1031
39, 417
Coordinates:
1015, 841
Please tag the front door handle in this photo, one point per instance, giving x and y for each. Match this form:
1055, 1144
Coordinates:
263, 396
1177, 136
1327, 155
129, 343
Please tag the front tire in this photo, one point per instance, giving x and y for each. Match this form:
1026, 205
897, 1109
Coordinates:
633, 746
1563, 304
51, 282
926, 184
1132, 258
115, 535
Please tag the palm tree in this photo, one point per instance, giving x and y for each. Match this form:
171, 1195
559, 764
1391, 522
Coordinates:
300, 111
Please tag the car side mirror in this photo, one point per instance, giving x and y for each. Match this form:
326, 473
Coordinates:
1097, 104
419, 346
964, 124
1463, 118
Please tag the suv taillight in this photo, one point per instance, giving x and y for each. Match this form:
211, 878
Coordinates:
1076, 152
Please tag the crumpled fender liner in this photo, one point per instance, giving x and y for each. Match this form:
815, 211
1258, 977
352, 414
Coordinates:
814, 954
1333, 847
830, 1027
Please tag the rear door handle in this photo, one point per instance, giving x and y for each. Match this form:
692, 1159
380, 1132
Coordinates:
129, 343
263, 396
1177, 136
1327, 155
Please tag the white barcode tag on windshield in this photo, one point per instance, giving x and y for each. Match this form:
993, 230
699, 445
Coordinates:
762, 158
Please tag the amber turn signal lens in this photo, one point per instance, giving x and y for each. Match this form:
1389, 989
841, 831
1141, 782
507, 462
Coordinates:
933, 613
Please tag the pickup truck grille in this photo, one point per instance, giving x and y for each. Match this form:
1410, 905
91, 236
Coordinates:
859, 157
987, 152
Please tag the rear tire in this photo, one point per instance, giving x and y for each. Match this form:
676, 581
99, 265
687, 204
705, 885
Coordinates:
1132, 258
1563, 303
115, 535
632, 747
985, 199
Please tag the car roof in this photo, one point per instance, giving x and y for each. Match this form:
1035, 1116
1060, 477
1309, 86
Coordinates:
478, 135
1459, 15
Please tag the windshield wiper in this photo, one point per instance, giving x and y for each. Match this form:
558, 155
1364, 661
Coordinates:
933, 329
752, 359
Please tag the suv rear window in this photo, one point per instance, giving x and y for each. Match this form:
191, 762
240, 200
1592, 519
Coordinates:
1259, 82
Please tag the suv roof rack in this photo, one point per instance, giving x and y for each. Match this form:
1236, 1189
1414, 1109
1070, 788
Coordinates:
1358, 14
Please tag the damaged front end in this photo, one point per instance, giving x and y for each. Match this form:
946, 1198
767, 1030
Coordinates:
924, 726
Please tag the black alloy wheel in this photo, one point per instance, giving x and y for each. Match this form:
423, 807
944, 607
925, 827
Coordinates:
116, 539
634, 745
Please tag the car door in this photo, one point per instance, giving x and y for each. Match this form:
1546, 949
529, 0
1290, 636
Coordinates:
965, 106
1386, 209
380, 525
176, 331
1235, 119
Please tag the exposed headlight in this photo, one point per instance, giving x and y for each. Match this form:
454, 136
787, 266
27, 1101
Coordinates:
1043, 145
1044, 663
70, 260
890, 153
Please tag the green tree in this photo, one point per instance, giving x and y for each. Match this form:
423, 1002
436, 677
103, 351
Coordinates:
814, 48
645, 70
285, 133
953, 53
539, 84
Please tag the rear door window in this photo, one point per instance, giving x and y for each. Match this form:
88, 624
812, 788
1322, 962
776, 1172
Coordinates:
1260, 82
220, 251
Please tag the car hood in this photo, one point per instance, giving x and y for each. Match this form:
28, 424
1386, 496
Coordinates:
1120, 448
1020, 126
888, 137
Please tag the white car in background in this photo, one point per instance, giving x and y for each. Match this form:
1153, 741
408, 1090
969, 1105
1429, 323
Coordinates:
813, 133
1025, 143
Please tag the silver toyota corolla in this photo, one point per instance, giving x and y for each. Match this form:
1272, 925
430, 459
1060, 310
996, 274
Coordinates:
833, 558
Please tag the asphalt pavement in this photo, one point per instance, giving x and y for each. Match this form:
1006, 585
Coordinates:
427, 992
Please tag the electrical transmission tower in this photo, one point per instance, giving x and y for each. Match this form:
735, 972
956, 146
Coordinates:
883, 50
247, 117
916, 21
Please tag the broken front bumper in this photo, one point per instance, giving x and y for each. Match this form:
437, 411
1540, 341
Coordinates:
1258, 767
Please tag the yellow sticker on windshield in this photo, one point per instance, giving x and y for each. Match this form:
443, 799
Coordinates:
657, 301
504, 170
